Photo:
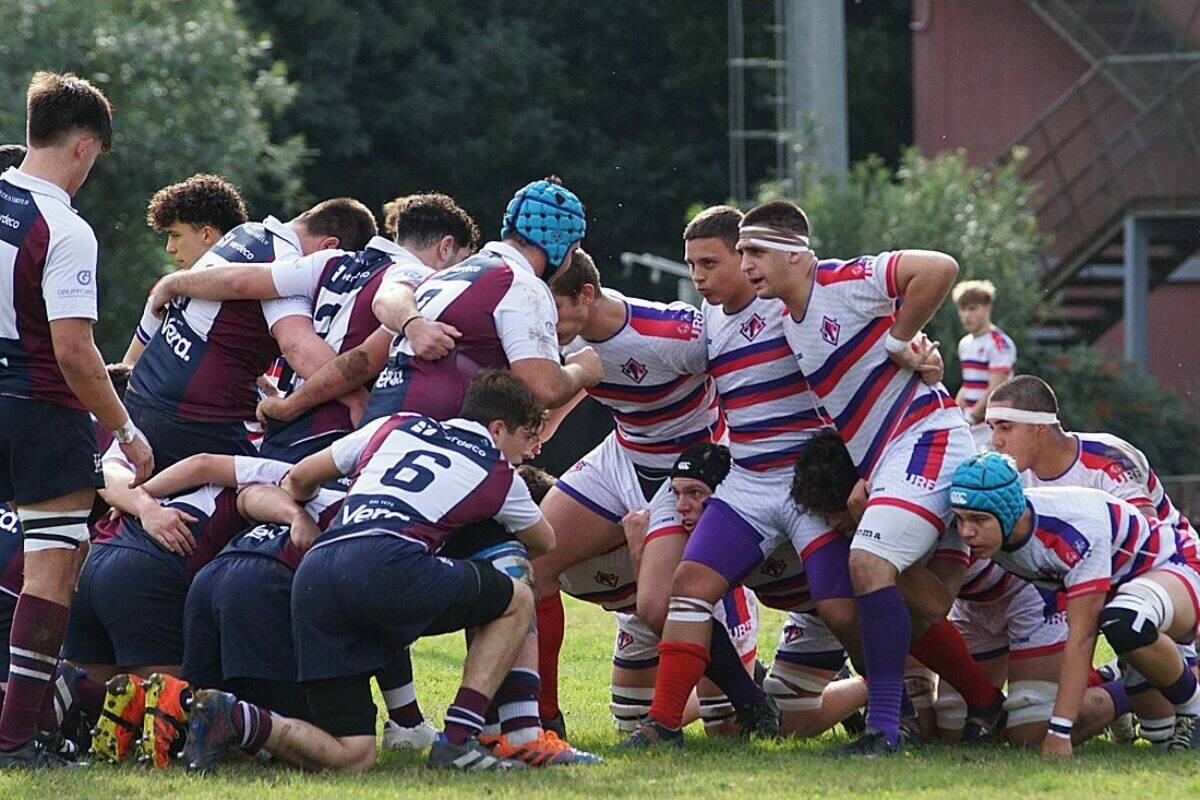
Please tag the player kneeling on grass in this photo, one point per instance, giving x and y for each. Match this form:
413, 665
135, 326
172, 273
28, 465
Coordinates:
1122, 574
372, 582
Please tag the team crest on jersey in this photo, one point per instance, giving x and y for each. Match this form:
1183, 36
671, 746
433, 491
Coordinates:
831, 330
608, 579
792, 632
753, 327
633, 370
623, 640
773, 567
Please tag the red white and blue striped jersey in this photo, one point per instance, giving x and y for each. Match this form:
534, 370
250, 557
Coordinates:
656, 381
839, 345
341, 286
421, 480
203, 360
780, 582
986, 581
1086, 541
766, 401
12, 552
982, 356
1115, 466
47, 272
504, 312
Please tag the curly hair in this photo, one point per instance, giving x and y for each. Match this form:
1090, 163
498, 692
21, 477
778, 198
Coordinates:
421, 220
824, 475
11, 155
200, 200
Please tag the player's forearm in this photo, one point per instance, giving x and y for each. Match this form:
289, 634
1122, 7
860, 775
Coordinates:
1073, 675
394, 304
307, 353
263, 503
83, 370
337, 378
930, 278
538, 539
191, 472
241, 282
117, 493
570, 381
133, 352
303, 480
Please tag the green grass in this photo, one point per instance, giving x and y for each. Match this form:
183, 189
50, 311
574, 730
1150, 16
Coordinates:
705, 769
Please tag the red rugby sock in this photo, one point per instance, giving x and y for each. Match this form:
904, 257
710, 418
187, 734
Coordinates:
550, 624
943, 650
680, 667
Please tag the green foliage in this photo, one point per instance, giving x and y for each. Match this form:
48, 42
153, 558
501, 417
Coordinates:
192, 91
1097, 393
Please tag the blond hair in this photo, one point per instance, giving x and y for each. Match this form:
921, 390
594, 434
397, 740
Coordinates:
972, 293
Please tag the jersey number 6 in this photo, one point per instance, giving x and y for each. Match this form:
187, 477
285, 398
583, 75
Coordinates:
418, 475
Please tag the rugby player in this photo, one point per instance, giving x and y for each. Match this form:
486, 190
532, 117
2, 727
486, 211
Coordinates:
1025, 426
372, 581
1123, 575
51, 376
771, 414
194, 214
985, 353
342, 287
852, 327
195, 386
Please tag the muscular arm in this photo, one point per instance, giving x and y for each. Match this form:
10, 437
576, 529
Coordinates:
923, 278
305, 351
552, 385
84, 371
240, 282
1083, 620
342, 375
394, 304
193, 471
304, 479
133, 352
537, 538
264, 503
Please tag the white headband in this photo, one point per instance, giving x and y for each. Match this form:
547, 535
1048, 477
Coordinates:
1009, 414
773, 238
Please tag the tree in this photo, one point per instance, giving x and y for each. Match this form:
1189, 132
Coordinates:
192, 91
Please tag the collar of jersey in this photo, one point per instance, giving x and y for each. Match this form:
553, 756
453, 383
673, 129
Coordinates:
36, 185
510, 254
472, 426
392, 249
283, 231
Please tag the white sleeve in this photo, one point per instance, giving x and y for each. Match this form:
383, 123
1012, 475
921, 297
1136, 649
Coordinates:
518, 511
349, 449
114, 454
148, 325
408, 274
1004, 354
251, 470
525, 318
275, 310
300, 277
1092, 574
69, 279
882, 274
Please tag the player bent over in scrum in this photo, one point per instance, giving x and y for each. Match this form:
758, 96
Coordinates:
1122, 574
372, 581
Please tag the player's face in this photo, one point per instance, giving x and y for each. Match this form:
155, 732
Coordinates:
974, 317
979, 531
690, 496
573, 313
716, 269
1016, 440
187, 242
771, 272
515, 445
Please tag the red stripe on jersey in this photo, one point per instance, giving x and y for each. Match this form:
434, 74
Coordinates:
782, 350
663, 328
893, 283
755, 398
875, 331
670, 413
670, 530
819, 542
1004, 370
912, 508
1037, 652
956, 556
1098, 586
867, 404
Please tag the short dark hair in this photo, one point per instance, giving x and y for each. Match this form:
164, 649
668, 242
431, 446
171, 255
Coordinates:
57, 104
344, 217
824, 475
778, 214
538, 480
1026, 392
11, 155
497, 394
570, 280
200, 200
423, 219
715, 222
119, 375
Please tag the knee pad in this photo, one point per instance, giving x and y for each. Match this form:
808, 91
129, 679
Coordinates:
950, 708
630, 705
1134, 617
689, 609
1030, 701
794, 689
714, 709
920, 684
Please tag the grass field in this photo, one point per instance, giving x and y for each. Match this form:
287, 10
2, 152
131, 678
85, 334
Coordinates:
705, 769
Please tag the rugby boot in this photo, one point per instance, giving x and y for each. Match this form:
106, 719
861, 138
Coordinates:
910, 732
652, 733
398, 737
759, 718
117, 732
986, 724
164, 728
471, 756
1187, 733
871, 744
37, 754
547, 750
557, 724
210, 730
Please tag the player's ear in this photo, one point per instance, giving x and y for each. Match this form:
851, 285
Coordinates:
497, 427
209, 235
329, 243
447, 247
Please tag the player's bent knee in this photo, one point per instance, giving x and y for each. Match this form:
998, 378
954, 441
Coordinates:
1030, 702
360, 753
1134, 617
653, 610
521, 604
696, 580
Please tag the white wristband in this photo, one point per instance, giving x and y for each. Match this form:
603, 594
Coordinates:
894, 345
126, 433
1060, 727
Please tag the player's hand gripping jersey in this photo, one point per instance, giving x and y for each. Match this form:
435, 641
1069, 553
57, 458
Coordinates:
201, 362
421, 480
341, 286
504, 312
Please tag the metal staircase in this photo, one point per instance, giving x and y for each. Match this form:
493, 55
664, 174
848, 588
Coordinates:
1124, 140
